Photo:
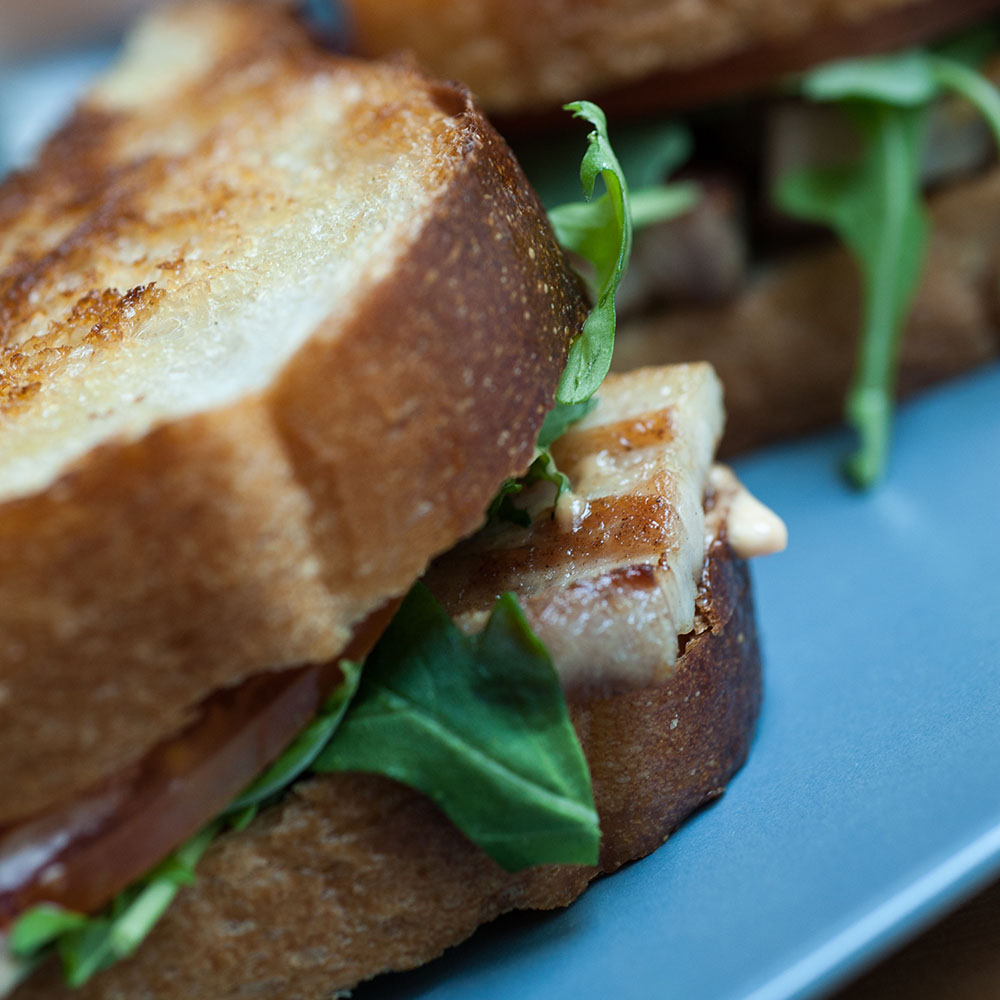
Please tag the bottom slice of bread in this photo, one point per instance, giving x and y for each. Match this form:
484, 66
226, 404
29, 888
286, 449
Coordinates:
353, 875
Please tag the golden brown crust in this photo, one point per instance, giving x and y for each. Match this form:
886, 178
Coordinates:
784, 348
253, 536
353, 875
686, 738
524, 56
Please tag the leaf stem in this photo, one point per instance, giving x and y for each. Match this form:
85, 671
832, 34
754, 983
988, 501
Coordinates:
869, 404
970, 84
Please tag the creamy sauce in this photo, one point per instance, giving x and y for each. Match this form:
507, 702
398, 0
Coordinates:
571, 510
752, 529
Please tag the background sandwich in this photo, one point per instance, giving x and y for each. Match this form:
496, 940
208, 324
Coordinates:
739, 280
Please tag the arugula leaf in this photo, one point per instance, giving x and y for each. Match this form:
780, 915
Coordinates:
449, 714
583, 226
560, 418
557, 421
904, 80
504, 509
600, 230
908, 80
607, 248
875, 207
40, 926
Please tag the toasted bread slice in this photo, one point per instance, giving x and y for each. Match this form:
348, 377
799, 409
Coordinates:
352, 874
274, 324
640, 55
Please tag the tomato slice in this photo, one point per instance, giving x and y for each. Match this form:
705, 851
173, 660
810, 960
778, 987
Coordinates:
80, 854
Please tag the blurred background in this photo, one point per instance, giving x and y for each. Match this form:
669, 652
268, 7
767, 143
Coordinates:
33, 27
48, 50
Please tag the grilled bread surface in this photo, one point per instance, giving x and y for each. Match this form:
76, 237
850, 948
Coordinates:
274, 324
352, 875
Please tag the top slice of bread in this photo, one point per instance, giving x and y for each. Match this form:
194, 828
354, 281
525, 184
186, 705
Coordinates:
274, 324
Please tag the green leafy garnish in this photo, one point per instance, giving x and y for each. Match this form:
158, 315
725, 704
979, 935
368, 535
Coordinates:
600, 229
40, 926
87, 944
904, 80
503, 507
909, 80
452, 715
875, 207
543, 467
606, 245
559, 420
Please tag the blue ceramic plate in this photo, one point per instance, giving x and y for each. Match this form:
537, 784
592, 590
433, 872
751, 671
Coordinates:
870, 803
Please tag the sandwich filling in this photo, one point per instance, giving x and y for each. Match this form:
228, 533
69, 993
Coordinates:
622, 550
609, 587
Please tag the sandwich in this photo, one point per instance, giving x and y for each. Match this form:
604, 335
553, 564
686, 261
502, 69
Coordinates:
788, 114
280, 328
